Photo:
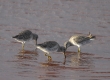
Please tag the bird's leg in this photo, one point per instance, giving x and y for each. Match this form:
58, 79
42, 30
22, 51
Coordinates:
79, 50
49, 58
23, 43
23, 46
46, 54
78, 55
64, 55
64, 61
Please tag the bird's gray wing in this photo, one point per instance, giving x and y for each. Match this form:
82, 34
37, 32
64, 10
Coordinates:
81, 39
49, 44
24, 35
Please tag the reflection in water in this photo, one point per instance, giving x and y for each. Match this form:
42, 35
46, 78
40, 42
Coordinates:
28, 52
51, 70
29, 55
85, 60
76, 57
25, 63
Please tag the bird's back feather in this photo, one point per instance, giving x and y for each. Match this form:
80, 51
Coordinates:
79, 39
24, 35
49, 44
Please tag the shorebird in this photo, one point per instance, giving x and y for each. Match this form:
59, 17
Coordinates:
25, 36
79, 40
51, 46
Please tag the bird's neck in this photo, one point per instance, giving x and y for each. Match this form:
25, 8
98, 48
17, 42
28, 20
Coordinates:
61, 49
35, 38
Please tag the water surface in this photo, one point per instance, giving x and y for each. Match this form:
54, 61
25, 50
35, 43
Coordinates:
55, 20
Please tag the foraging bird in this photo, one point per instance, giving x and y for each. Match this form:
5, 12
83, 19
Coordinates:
51, 46
79, 40
25, 36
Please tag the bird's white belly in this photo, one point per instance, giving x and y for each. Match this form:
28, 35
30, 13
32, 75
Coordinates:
77, 44
74, 43
20, 41
47, 50
43, 49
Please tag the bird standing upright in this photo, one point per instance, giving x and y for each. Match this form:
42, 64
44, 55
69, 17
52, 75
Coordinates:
25, 36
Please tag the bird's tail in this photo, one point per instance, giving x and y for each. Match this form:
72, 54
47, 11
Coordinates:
91, 36
15, 36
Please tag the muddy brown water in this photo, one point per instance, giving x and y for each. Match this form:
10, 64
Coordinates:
55, 20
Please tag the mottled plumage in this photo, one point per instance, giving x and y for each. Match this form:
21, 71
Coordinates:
24, 36
51, 46
78, 41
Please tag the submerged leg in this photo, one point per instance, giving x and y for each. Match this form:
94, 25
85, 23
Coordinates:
79, 55
79, 51
64, 55
46, 54
49, 58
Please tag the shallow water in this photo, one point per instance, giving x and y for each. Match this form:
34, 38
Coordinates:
55, 20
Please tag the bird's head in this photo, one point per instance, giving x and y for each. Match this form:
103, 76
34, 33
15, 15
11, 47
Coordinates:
62, 49
67, 44
35, 37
